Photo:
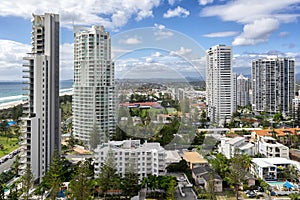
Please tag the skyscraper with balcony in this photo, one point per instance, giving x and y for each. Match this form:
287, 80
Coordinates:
242, 91
273, 84
219, 83
42, 122
94, 85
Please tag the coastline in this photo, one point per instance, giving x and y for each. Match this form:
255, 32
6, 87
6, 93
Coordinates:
16, 103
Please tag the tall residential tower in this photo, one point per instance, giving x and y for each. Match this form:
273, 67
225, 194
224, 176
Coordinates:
42, 122
242, 91
273, 84
94, 86
219, 83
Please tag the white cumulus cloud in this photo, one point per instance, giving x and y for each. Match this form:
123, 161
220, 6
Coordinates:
161, 33
112, 14
177, 12
204, 2
131, 40
221, 34
253, 15
181, 52
257, 32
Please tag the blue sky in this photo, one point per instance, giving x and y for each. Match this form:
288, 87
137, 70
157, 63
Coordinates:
154, 36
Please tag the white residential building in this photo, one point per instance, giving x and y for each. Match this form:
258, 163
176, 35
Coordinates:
147, 158
242, 91
273, 85
237, 145
42, 122
296, 104
94, 84
234, 92
268, 147
219, 83
268, 168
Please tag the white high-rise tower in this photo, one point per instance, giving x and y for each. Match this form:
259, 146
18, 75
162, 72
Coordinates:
219, 83
242, 91
42, 122
94, 84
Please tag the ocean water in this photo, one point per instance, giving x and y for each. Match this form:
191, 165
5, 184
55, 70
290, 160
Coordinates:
11, 92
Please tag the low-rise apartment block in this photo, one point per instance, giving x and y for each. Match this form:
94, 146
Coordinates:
269, 168
268, 147
147, 158
231, 146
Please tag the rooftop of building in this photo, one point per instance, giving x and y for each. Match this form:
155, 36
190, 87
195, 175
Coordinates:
172, 157
205, 172
194, 158
235, 140
280, 132
271, 162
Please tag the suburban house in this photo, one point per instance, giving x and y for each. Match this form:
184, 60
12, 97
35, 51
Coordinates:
202, 176
194, 159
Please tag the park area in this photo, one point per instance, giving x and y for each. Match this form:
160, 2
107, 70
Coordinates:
7, 145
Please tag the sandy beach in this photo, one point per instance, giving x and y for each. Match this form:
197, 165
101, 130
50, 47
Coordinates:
15, 103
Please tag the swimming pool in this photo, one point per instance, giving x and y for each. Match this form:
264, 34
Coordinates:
276, 183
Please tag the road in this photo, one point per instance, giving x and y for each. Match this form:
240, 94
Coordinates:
6, 165
189, 195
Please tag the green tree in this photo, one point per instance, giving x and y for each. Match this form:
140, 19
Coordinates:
81, 186
2, 188
293, 174
130, 183
221, 165
108, 177
171, 190
278, 117
237, 172
210, 188
15, 165
27, 182
95, 138
54, 177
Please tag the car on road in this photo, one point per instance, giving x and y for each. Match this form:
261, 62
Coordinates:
250, 194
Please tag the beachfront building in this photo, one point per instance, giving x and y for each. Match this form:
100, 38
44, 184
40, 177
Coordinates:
242, 91
273, 85
146, 159
219, 83
94, 86
42, 122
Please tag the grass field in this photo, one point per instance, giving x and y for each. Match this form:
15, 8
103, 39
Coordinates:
10, 145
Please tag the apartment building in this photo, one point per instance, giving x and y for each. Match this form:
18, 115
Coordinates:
242, 91
237, 145
147, 159
219, 83
268, 147
273, 85
269, 168
94, 85
41, 131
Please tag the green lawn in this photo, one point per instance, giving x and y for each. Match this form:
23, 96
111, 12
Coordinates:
9, 145
171, 110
